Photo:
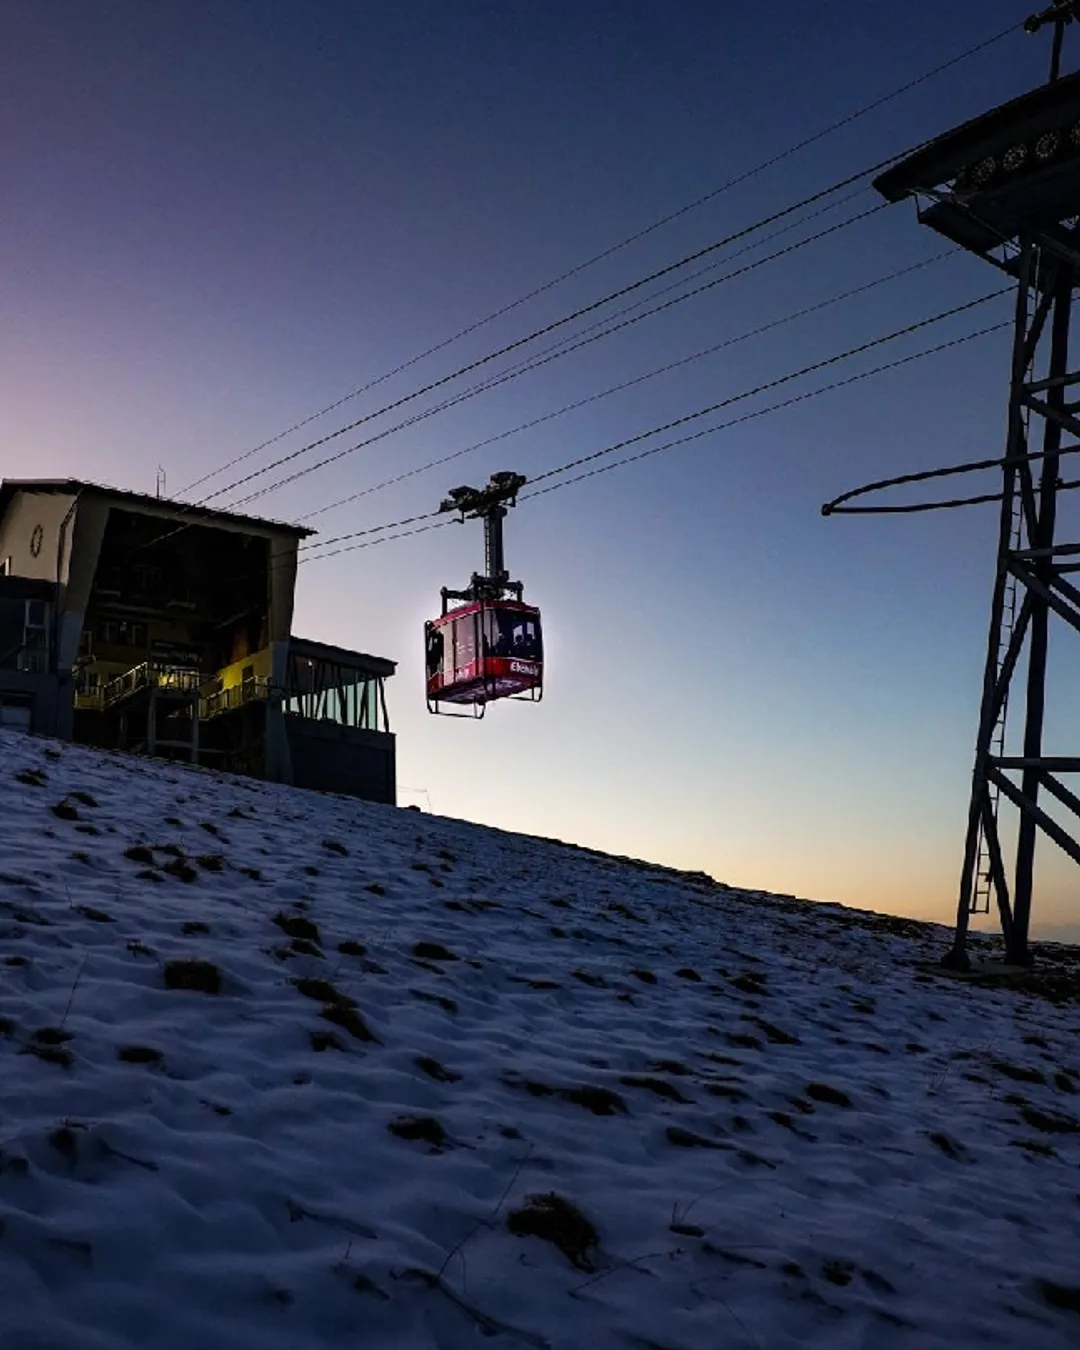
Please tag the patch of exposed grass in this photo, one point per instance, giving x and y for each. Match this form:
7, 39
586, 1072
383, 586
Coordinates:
1037, 1146
65, 1141
211, 862
7, 1026
1050, 1122
31, 777
1061, 1295
1064, 1083
351, 948
660, 1086
64, 810
688, 973
750, 982
444, 1001
688, 1139
325, 1040
252, 873
51, 1054
555, 1219
194, 975
434, 1069
94, 915
744, 1040
424, 1129
822, 1092
182, 870
375, 888
617, 907
1019, 1073
727, 1091
139, 948
52, 1036
322, 991
950, 1147
140, 1054
597, 981
645, 976
210, 828
736, 1258
149, 874
600, 1101
194, 926
335, 846
349, 1019
776, 1035
838, 1272
32, 917
432, 951
304, 947
297, 926
84, 798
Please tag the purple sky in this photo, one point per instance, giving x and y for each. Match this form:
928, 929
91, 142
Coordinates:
219, 217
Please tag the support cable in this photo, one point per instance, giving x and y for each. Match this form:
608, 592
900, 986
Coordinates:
368, 541
732, 182
780, 380
618, 388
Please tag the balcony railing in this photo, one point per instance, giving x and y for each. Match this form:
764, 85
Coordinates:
174, 680
236, 696
151, 675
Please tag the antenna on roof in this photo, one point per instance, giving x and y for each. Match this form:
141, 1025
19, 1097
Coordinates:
159, 489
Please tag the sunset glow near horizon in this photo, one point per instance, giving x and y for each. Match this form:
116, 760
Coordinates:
221, 217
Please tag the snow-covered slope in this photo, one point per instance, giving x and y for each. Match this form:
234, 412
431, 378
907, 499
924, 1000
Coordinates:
435, 1085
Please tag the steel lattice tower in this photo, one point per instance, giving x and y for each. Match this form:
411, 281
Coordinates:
1006, 187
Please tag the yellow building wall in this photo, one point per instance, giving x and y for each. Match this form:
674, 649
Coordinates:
233, 674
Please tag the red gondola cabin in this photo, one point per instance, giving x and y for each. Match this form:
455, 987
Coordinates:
482, 651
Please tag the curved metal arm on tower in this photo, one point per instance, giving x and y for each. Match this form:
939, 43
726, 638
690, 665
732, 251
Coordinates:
837, 506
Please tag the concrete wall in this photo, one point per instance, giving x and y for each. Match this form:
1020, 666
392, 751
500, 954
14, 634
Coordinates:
28, 510
82, 547
261, 662
283, 559
333, 758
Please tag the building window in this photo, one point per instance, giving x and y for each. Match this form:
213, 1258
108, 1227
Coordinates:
122, 633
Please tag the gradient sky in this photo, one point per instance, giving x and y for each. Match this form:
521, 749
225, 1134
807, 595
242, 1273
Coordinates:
221, 215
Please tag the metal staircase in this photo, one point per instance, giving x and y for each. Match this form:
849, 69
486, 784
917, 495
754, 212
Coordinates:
982, 887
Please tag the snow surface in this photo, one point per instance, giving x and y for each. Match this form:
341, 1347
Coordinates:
200, 1174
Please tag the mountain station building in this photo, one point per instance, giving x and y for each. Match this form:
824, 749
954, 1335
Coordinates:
134, 623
